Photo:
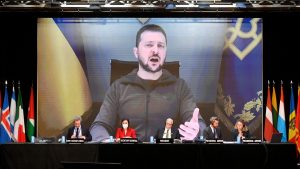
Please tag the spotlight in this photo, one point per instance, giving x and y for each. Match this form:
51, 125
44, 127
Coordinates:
158, 3
287, 2
138, 3
170, 5
204, 4
33, 2
11, 3
116, 3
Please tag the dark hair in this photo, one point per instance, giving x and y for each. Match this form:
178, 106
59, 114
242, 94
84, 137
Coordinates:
151, 28
124, 120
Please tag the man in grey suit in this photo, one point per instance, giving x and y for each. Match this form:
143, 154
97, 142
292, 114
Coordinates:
212, 131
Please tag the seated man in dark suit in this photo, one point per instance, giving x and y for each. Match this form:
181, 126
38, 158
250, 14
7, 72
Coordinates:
78, 131
212, 131
167, 131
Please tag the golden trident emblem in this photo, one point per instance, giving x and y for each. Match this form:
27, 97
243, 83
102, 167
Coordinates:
236, 32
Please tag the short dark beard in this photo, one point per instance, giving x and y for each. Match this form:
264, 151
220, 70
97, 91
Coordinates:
147, 68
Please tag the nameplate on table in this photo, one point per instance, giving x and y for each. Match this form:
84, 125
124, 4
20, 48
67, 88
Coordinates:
165, 140
75, 141
188, 141
214, 141
128, 140
44, 140
251, 141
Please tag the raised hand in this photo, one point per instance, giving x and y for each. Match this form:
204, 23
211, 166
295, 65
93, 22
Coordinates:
189, 130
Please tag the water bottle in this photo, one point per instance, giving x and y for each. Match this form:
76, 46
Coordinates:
238, 139
111, 139
32, 139
151, 139
63, 139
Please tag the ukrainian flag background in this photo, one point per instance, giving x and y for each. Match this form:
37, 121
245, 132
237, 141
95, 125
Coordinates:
62, 85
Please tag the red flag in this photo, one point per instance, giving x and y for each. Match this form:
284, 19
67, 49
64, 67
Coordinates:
30, 116
19, 130
298, 122
269, 128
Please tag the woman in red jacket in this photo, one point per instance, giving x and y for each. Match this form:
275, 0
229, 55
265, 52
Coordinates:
125, 131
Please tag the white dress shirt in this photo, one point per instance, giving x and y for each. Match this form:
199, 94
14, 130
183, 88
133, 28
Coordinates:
167, 133
79, 132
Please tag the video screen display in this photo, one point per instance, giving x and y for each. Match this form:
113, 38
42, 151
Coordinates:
214, 64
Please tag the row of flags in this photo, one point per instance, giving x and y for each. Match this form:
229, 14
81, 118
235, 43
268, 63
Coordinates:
12, 128
275, 121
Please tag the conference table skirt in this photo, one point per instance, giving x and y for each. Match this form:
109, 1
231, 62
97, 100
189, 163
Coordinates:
227, 156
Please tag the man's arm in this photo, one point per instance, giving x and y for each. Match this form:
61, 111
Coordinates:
88, 136
157, 134
70, 132
177, 136
133, 134
103, 125
205, 133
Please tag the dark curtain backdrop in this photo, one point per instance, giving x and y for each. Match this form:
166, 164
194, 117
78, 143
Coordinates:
18, 61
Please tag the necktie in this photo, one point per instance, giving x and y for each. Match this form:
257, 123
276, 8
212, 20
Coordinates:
216, 134
168, 133
77, 132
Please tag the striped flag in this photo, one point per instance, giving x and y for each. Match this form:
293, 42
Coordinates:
19, 130
292, 129
274, 107
298, 121
12, 109
5, 132
269, 128
30, 116
281, 126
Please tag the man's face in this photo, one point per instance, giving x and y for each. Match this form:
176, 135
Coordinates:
169, 124
215, 124
151, 51
77, 123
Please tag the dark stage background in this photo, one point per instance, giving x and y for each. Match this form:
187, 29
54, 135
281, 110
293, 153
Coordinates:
18, 46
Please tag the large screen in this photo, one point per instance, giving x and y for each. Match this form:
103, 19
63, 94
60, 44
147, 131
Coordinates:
220, 59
